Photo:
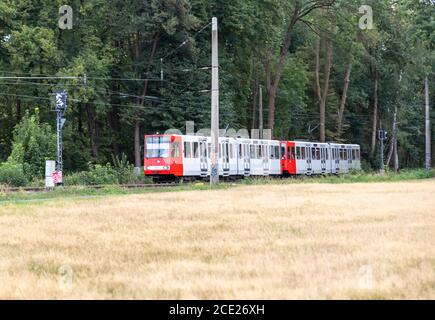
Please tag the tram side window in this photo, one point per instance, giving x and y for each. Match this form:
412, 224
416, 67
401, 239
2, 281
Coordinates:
292, 149
283, 155
303, 153
240, 151
209, 149
204, 151
271, 152
313, 153
187, 150
175, 152
195, 150
231, 151
252, 150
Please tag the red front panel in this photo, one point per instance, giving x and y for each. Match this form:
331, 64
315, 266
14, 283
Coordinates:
163, 155
288, 159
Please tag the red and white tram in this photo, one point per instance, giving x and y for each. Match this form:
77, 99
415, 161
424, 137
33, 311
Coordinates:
176, 156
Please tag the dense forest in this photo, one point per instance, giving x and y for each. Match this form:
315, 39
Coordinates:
323, 77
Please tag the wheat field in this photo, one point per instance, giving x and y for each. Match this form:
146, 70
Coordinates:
291, 241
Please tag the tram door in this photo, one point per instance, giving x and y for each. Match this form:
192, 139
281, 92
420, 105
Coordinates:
323, 159
349, 158
246, 159
225, 158
337, 159
265, 155
308, 156
203, 157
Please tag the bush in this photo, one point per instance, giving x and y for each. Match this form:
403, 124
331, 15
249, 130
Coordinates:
12, 175
121, 173
124, 170
34, 143
97, 175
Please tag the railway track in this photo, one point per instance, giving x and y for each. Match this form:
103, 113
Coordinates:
125, 186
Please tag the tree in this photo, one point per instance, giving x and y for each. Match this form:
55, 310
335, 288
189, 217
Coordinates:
299, 10
33, 144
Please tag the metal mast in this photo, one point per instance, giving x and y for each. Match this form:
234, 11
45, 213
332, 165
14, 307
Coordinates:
214, 172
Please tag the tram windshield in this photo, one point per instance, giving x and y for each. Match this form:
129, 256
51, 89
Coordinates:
158, 147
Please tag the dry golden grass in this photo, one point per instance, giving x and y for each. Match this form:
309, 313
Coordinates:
276, 241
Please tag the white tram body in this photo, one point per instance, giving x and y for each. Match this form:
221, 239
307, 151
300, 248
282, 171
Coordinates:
237, 157
189, 156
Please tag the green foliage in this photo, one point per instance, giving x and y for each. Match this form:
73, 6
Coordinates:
114, 39
96, 175
352, 177
12, 175
122, 172
33, 144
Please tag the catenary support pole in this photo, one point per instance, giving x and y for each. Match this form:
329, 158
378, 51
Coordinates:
428, 155
260, 112
214, 172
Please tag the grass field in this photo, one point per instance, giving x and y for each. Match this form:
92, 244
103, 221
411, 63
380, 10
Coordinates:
283, 241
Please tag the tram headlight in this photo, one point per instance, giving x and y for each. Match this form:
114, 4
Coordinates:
156, 168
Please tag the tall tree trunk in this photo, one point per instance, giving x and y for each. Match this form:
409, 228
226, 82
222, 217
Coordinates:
322, 97
344, 97
254, 104
79, 118
375, 116
300, 11
328, 66
317, 71
272, 84
141, 101
396, 156
393, 143
390, 153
